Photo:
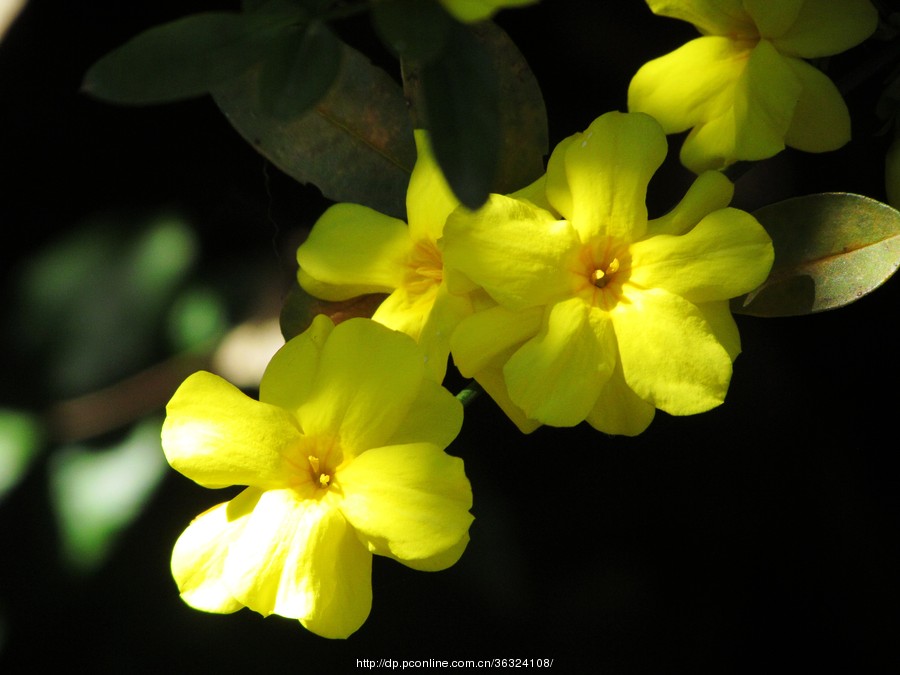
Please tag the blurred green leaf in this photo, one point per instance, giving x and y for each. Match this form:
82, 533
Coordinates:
177, 60
300, 308
485, 111
355, 145
97, 494
90, 306
830, 250
196, 319
299, 69
416, 30
21, 436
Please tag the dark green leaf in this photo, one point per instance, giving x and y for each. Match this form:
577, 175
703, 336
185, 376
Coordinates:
299, 69
457, 98
485, 112
177, 60
300, 308
355, 145
830, 250
416, 30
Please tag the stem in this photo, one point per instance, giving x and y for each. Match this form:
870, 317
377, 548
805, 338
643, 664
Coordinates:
469, 393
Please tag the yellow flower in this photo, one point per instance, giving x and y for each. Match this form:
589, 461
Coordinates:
353, 250
603, 315
744, 88
470, 11
343, 457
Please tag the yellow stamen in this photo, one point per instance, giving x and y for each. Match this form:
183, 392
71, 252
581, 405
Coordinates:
602, 277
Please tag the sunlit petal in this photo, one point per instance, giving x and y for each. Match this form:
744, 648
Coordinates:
619, 410
280, 383
217, 436
826, 27
411, 500
429, 199
711, 191
821, 120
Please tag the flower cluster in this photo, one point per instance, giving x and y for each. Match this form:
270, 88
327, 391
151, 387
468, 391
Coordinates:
743, 88
577, 307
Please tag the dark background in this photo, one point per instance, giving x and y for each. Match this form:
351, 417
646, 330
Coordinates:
758, 537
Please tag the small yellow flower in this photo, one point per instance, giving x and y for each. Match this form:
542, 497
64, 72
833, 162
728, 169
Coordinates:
603, 315
353, 250
343, 457
470, 11
744, 88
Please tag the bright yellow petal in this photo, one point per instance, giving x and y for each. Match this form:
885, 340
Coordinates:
556, 183
728, 253
692, 85
217, 436
715, 17
299, 558
367, 380
353, 250
773, 19
619, 410
721, 322
409, 501
429, 199
710, 192
494, 384
556, 376
826, 27
435, 417
291, 372
535, 194
198, 558
765, 99
440, 561
446, 314
608, 168
821, 120
519, 254
480, 338
670, 355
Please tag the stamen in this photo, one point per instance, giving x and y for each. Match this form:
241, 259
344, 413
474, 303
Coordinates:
601, 278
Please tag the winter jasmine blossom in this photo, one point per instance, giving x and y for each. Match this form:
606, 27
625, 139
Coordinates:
596, 313
353, 250
743, 88
342, 457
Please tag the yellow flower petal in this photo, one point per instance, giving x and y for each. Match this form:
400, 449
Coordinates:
353, 250
710, 192
519, 254
821, 120
619, 410
721, 322
429, 199
288, 378
670, 355
440, 561
217, 436
409, 501
728, 253
607, 169
826, 27
435, 417
494, 384
299, 559
715, 17
765, 98
472, 353
446, 313
556, 376
691, 85
368, 378
199, 555
773, 19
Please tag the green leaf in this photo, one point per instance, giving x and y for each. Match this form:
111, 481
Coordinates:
177, 60
21, 437
830, 250
300, 308
484, 110
355, 145
299, 69
416, 30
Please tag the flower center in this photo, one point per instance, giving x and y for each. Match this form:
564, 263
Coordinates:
602, 277
425, 267
313, 464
